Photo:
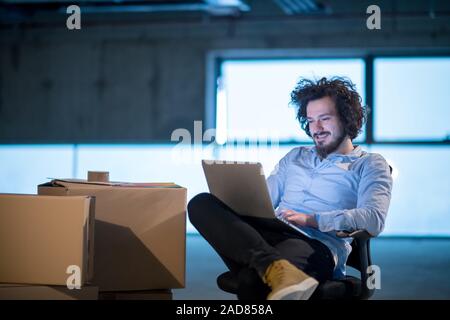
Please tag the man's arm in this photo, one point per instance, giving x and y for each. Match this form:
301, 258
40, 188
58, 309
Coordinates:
275, 182
374, 194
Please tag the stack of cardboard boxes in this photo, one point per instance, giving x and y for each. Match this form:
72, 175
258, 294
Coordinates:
127, 240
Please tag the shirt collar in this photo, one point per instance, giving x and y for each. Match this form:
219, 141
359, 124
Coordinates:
356, 153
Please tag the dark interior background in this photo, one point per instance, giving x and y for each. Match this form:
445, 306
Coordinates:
137, 69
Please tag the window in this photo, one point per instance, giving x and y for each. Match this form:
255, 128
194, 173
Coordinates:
412, 99
23, 167
253, 96
420, 202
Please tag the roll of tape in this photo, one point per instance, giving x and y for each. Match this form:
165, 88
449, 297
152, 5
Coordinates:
98, 176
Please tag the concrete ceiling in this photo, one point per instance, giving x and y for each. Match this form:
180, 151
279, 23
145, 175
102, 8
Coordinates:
18, 11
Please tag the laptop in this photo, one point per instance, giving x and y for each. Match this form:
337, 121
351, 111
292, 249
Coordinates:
242, 186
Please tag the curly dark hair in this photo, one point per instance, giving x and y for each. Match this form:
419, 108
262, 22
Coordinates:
343, 92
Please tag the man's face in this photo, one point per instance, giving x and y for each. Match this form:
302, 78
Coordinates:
324, 125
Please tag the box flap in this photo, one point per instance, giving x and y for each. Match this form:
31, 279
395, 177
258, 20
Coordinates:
67, 182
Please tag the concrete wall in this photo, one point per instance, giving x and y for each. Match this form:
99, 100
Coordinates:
138, 80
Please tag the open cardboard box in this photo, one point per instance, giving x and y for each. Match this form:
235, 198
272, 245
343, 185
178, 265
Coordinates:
140, 232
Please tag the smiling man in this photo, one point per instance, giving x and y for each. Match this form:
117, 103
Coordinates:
326, 129
325, 188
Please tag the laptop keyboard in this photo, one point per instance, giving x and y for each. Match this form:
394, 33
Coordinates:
285, 221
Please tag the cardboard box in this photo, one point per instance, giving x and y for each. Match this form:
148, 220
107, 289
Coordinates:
41, 236
140, 232
162, 294
26, 292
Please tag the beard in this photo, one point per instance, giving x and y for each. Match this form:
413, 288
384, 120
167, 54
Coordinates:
323, 150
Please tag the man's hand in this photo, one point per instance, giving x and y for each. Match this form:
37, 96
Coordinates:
298, 218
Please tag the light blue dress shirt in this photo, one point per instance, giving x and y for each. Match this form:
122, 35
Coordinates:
344, 192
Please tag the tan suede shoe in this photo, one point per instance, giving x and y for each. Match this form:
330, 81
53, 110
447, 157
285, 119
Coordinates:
288, 282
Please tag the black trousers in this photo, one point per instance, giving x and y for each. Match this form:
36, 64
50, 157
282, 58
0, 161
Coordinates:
249, 245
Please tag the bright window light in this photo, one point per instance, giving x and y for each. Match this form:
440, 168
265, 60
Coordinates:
412, 99
254, 95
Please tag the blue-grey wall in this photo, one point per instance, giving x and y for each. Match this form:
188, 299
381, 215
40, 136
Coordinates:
138, 79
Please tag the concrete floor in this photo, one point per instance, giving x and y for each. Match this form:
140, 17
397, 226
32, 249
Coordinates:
411, 268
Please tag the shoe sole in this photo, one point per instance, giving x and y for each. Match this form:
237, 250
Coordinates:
299, 291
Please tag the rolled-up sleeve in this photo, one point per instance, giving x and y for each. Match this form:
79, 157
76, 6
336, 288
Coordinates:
374, 194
